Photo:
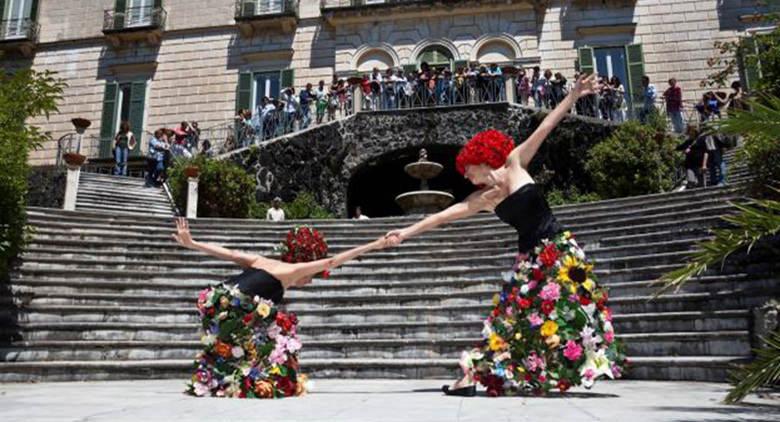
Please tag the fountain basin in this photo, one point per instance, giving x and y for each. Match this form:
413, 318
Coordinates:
423, 170
424, 201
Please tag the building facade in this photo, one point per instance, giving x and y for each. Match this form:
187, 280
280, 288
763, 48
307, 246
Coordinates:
158, 62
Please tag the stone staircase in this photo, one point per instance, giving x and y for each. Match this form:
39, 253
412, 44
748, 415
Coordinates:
121, 195
109, 295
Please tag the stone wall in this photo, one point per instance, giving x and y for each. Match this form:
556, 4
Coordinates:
322, 160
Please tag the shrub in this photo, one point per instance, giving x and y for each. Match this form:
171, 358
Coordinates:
304, 206
224, 188
572, 195
636, 160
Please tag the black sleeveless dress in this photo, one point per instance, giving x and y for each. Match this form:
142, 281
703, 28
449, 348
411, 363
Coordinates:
549, 327
250, 344
526, 210
258, 282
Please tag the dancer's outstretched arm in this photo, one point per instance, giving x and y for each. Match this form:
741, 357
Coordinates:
474, 203
184, 238
307, 269
523, 153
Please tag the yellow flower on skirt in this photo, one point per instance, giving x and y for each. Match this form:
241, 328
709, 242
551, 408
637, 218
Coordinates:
549, 328
496, 343
263, 310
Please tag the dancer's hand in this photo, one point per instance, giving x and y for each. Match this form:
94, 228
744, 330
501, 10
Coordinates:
586, 85
394, 238
182, 235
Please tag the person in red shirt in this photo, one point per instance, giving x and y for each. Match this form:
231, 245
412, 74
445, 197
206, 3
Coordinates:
673, 98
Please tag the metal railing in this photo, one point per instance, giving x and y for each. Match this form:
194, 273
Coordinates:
247, 9
19, 29
134, 17
343, 4
416, 93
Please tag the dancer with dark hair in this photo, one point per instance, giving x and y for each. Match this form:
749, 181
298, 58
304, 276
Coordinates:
550, 327
250, 343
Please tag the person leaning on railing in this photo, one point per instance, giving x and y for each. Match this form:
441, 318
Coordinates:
155, 159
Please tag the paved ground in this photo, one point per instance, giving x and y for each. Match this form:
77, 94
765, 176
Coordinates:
379, 400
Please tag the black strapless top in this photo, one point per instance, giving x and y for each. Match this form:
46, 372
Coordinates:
526, 210
256, 282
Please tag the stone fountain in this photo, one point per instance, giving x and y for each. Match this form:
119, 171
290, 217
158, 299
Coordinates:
423, 201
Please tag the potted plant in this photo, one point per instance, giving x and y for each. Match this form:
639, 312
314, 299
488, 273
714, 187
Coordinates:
74, 159
191, 171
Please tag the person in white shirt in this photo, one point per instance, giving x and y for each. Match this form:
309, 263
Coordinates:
275, 213
359, 214
290, 109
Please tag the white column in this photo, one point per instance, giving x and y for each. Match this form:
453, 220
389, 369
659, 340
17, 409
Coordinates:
509, 88
192, 197
357, 98
71, 187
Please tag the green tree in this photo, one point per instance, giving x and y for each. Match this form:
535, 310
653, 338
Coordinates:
637, 159
24, 95
224, 188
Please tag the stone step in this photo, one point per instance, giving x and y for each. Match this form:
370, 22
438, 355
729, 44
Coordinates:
72, 292
689, 197
423, 310
698, 321
367, 262
607, 217
584, 232
689, 368
140, 207
619, 269
44, 255
157, 198
725, 343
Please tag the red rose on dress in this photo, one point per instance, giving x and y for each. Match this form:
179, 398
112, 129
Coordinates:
563, 385
284, 321
286, 386
537, 274
524, 303
248, 319
549, 255
547, 307
584, 301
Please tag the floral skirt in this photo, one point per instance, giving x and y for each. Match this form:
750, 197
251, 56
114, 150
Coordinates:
250, 348
550, 326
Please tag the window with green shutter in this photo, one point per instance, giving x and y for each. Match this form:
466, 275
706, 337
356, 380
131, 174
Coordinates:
750, 65
288, 78
122, 101
460, 64
136, 113
585, 60
409, 68
635, 65
120, 8
108, 119
244, 91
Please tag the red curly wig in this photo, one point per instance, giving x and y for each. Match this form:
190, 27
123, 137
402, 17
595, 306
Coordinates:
489, 147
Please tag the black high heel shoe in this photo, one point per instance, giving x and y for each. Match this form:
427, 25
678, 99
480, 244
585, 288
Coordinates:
469, 391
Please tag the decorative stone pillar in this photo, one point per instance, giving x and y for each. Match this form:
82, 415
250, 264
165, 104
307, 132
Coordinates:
73, 162
192, 191
510, 81
357, 96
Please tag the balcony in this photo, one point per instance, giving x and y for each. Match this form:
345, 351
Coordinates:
253, 16
19, 35
357, 11
134, 24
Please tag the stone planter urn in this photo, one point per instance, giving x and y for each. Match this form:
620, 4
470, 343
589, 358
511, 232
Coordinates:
191, 172
81, 124
74, 159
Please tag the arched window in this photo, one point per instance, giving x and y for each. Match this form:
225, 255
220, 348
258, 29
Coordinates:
495, 51
374, 58
436, 56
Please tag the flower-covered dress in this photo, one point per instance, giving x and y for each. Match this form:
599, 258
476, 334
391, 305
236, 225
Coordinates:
550, 326
250, 346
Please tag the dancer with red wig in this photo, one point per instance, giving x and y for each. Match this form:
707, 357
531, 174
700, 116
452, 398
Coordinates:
550, 327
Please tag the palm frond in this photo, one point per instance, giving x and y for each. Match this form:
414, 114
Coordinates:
753, 222
763, 371
762, 119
